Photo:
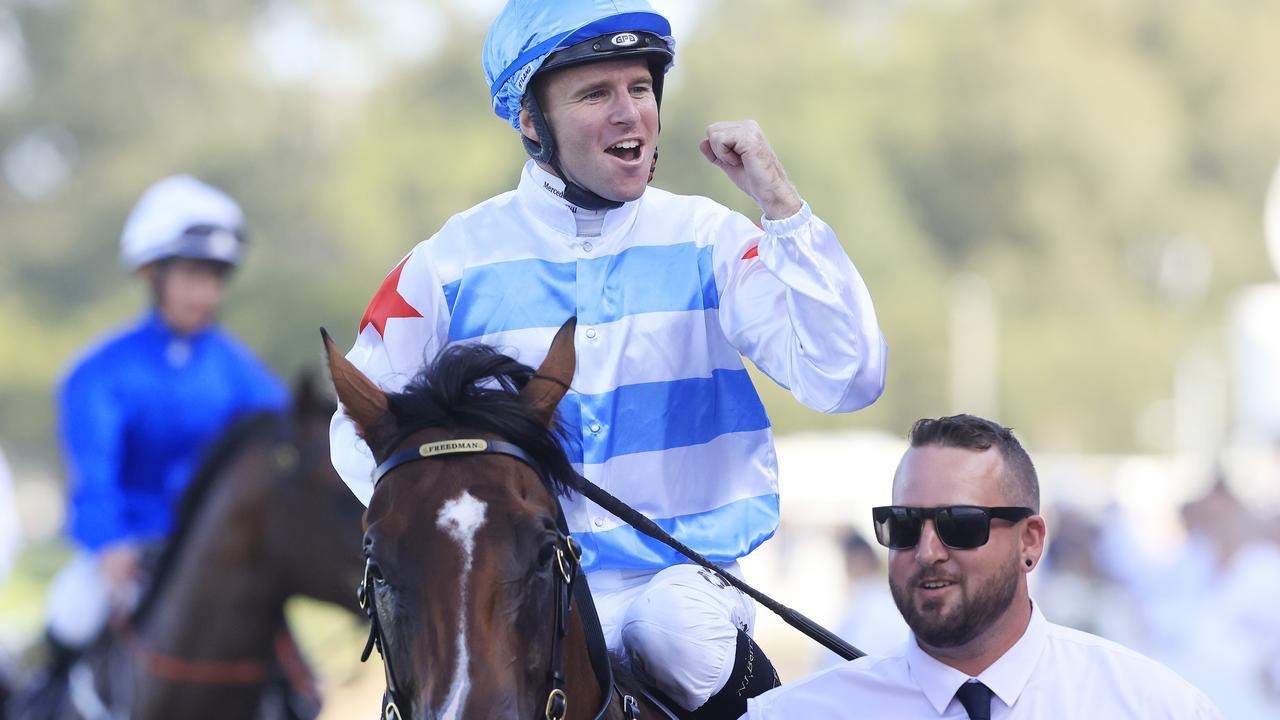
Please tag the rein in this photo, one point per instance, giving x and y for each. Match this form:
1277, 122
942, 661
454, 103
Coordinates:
201, 672
567, 591
628, 514
248, 672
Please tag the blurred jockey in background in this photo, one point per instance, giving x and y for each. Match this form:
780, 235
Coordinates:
138, 408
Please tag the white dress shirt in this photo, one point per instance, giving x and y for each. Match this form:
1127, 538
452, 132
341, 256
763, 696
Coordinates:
1051, 672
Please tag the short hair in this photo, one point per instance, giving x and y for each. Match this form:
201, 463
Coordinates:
1018, 483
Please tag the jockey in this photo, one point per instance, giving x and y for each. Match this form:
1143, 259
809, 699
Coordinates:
138, 409
670, 292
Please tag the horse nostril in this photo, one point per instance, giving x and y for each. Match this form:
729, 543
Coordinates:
372, 570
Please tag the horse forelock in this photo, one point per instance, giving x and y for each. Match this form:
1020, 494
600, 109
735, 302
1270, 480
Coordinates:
474, 387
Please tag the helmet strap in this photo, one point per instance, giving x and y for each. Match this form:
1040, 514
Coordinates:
545, 152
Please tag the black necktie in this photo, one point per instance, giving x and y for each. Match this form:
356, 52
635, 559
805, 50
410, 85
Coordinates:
976, 699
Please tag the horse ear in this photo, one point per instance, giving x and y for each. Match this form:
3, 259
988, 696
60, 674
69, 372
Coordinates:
548, 386
363, 401
308, 399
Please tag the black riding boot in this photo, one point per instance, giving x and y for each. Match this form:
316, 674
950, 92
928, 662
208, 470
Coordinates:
47, 692
752, 675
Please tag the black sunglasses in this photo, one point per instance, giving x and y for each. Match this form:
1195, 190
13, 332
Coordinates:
959, 527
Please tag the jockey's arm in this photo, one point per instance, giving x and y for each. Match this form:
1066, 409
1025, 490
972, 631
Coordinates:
91, 430
792, 301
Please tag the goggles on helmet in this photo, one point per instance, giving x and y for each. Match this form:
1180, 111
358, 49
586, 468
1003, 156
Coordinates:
207, 242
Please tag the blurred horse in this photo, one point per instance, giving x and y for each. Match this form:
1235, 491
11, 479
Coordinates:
472, 582
266, 518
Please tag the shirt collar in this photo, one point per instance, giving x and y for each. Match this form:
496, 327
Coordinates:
542, 195
154, 322
1006, 677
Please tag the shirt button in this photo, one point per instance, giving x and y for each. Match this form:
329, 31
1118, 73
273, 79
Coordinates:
598, 522
591, 333
586, 246
595, 427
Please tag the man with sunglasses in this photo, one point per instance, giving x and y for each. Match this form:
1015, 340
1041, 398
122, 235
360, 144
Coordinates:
963, 534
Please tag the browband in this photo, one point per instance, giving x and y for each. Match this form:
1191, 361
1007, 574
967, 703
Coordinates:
460, 446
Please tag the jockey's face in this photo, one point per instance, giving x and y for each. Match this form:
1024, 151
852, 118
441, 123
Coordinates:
950, 598
187, 292
591, 109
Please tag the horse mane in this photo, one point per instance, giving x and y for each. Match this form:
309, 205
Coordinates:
215, 459
475, 387
273, 424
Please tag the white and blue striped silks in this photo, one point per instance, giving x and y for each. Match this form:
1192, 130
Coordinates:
670, 292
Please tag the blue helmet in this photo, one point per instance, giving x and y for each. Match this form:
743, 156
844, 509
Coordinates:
531, 36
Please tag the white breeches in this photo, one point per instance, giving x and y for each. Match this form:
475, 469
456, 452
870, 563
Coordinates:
677, 628
80, 601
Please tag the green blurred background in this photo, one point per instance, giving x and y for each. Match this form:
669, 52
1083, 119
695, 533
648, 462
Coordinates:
1055, 204
1093, 171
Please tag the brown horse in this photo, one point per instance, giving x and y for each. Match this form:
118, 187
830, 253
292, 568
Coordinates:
266, 518
476, 598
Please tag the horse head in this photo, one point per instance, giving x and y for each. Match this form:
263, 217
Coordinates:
464, 550
316, 516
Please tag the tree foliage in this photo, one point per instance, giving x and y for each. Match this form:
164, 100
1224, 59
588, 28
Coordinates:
1062, 151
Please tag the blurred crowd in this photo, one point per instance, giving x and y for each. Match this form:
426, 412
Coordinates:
1207, 611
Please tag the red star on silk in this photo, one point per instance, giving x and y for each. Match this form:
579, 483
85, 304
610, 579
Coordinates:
754, 250
388, 303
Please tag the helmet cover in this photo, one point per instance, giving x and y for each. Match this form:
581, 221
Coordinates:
526, 32
180, 216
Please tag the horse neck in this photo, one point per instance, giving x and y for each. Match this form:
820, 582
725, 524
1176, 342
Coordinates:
582, 687
222, 597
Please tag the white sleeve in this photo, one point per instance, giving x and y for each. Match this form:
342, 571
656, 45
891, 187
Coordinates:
406, 324
792, 301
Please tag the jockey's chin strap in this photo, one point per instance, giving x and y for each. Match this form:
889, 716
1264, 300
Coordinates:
568, 590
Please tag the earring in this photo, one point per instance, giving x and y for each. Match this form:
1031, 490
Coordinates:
1028, 562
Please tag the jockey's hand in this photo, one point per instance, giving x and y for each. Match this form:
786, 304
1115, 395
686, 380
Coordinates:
739, 148
121, 568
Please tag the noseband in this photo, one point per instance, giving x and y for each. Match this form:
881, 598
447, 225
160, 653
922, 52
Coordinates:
567, 589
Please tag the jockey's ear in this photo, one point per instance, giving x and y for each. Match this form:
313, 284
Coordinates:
362, 400
548, 386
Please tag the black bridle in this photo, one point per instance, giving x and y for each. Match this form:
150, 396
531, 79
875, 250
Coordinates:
570, 586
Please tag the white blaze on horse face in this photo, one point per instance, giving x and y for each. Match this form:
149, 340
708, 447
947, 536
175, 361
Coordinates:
461, 518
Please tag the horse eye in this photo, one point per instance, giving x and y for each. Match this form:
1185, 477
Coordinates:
546, 553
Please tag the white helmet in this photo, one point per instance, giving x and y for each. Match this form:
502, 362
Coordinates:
180, 216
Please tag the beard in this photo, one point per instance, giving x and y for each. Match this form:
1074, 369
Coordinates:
972, 615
